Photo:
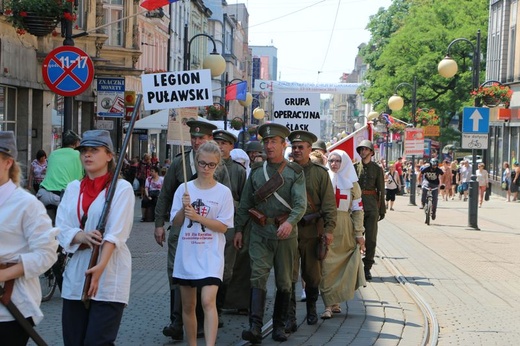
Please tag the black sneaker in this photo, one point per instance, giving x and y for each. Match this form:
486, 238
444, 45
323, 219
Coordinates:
433, 216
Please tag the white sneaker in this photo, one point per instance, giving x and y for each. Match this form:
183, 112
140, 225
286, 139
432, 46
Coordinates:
303, 297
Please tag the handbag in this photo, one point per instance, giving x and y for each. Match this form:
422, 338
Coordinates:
504, 185
154, 193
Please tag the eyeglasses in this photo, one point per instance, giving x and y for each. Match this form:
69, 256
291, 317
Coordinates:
203, 164
334, 161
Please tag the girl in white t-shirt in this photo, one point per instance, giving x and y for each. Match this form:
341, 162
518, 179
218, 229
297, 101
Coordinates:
205, 212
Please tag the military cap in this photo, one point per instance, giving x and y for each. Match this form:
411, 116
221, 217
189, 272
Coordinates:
273, 130
319, 145
302, 136
254, 146
200, 128
8, 144
96, 138
225, 136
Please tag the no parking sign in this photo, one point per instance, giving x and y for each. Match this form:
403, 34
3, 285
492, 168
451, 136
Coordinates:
68, 71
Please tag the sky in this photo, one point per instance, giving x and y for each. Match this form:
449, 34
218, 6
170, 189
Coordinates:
317, 40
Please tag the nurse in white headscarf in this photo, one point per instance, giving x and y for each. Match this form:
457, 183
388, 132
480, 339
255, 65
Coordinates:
342, 269
241, 157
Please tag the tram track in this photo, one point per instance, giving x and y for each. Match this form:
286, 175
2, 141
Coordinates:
431, 332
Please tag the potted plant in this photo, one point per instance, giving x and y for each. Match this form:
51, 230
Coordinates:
426, 117
397, 127
493, 95
215, 112
38, 17
237, 123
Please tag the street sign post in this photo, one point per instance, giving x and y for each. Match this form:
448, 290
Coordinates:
474, 141
475, 120
68, 71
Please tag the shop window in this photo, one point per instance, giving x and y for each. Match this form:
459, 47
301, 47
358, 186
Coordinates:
7, 108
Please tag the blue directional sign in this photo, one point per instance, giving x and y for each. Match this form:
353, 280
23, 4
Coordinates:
475, 120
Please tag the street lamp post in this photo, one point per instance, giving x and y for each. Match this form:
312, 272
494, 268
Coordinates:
396, 103
448, 68
214, 61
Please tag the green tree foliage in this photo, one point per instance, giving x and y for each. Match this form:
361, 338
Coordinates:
409, 39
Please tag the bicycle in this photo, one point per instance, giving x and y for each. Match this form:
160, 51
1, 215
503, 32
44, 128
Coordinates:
54, 276
428, 207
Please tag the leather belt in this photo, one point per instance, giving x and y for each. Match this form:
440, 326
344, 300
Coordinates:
369, 192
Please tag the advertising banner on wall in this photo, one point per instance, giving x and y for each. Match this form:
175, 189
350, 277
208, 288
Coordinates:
110, 97
297, 111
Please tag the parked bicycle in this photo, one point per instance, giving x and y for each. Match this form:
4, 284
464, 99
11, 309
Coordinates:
54, 276
428, 207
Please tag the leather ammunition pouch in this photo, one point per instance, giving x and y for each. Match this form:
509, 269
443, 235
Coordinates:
271, 186
260, 219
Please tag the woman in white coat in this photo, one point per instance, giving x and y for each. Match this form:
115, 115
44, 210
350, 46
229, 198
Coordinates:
78, 216
28, 245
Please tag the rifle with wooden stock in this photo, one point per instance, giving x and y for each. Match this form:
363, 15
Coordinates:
108, 201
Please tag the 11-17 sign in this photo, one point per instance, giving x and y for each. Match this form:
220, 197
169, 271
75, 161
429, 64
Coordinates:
68, 71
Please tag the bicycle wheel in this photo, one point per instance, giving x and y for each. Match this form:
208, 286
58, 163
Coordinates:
48, 285
428, 210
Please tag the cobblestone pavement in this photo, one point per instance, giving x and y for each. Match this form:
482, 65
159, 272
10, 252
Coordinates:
468, 277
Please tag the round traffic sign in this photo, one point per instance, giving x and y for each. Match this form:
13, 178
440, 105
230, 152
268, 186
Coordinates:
68, 71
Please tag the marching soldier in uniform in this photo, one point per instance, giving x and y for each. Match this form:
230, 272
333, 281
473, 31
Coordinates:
200, 133
320, 218
237, 174
275, 199
372, 183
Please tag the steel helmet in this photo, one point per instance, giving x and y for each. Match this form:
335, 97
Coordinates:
365, 144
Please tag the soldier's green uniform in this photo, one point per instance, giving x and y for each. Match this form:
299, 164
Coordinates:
320, 195
237, 175
265, 248
372, 183
173, 178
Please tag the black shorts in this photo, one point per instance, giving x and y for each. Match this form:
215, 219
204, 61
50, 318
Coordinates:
390, 194
209, 281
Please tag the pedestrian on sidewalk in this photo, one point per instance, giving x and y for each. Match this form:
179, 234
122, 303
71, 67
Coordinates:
203, 208
275, 210
506, 180
483, 180
446, 179
152, 189
392, 186
342, 269
319, 220
28, 245
372, 183
515, 180
78, 217
465, 178
454, 179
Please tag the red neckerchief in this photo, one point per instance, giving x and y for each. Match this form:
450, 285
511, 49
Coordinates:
90, 189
